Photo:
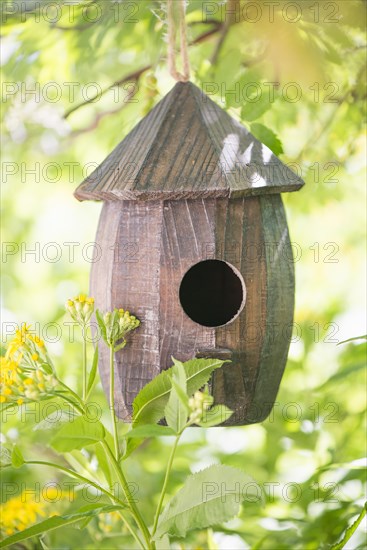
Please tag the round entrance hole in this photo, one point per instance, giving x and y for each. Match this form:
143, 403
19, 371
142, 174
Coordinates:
212, 293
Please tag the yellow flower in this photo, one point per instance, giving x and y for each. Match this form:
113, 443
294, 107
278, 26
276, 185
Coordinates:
18, 513
37, 340
81, 308
19, 340
23, 367
8, 370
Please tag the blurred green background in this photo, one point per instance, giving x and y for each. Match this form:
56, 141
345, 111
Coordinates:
308, 61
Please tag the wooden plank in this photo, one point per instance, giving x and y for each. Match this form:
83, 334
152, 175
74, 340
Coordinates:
187, 147
280, 305
102, 275
186, 229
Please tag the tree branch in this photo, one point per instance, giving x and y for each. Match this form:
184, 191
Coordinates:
134, 77
232, 7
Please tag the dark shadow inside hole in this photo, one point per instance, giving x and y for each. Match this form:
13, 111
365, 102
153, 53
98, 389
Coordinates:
211, 293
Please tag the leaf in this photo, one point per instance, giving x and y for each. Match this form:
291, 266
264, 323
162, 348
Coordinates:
149, 430
149, 404
17, 459
199, 371
5, 455
53, 523
55, 420
215, 416
77, 434
181, 394
351, 530
93, 372
267, 136
101, 324
207, 498
176, 410
342, 374
163, 543
364, 337
253, 110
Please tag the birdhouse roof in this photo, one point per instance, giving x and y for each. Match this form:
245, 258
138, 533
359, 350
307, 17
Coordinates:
188, 147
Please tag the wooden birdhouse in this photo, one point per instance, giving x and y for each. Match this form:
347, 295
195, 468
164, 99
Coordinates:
195, 243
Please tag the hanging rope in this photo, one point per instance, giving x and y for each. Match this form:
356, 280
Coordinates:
172, 30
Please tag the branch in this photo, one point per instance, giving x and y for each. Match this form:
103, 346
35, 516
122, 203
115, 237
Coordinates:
134, 77
232, 11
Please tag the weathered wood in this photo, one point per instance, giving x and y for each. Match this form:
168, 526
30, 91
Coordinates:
188, 147
155, 244
190, 184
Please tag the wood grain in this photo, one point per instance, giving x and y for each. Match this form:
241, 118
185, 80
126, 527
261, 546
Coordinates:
188, 147
190, 183
154, 245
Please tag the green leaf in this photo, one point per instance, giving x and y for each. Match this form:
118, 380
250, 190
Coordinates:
342, 374
176, 410
253, 110
77, 434
149, 404
351, 530
54, 523
17, 459
199, 371
149, 430
5, 455
93, 372
55, 420
181, 394
163, 543
364, 337
214, 416
101, 324
207, 498
267, 136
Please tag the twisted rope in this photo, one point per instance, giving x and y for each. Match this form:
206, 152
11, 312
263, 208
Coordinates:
172, 32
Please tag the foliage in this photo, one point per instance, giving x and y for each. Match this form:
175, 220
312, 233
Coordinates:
192, 508
308, 455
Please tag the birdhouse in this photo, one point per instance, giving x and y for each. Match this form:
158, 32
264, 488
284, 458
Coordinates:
193, 240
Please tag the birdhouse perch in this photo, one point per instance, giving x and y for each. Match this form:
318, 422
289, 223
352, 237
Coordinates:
195, 243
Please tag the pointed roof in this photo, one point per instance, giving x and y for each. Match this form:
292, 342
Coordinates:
188, 147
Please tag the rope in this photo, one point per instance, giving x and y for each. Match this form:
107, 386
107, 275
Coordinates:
172, 30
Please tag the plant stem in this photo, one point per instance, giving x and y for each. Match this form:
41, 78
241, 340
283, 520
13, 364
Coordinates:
129, 498
165, 483
84, 364
70, 401
93, 484
77, 476
134, 535
80, 401
112, 404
